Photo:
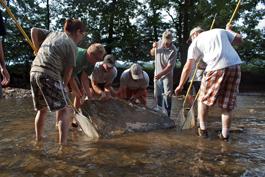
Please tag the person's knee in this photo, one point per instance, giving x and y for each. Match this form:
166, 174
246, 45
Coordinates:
43, 111
226, 112
64, 112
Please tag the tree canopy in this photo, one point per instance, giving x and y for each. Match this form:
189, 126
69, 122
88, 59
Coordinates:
128, 27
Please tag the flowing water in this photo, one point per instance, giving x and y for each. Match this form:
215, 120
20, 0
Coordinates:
163, 153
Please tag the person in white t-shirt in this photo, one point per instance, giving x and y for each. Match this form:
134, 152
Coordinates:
221, 77
133, 85
102, 77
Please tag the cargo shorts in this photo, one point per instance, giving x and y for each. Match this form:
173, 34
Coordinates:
47, 92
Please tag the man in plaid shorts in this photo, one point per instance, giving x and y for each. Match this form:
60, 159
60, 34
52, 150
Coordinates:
221, 77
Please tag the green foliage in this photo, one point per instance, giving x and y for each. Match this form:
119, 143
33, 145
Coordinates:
128, 27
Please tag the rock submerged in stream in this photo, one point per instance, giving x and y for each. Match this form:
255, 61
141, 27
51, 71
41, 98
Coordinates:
10, 92
115, 117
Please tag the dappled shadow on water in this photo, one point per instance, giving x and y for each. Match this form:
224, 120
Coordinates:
156, 153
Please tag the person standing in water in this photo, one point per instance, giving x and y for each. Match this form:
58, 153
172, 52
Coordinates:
165, 53
221, 77
50, 73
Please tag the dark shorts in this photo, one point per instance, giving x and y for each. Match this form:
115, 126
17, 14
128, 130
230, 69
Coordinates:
101, 85
47, 92
194, 89
221, 85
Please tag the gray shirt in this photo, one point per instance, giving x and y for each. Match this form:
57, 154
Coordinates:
100, 75
127, 81
57, 52
165, 56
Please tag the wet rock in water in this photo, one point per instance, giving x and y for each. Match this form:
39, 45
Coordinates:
116, 117
10, 92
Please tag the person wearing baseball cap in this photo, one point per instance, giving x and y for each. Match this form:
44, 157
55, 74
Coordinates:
133, 85
165, 54
102, 77
221, 77
194, 32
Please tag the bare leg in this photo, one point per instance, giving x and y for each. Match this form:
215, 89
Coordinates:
190, 100
57, 119
226, 122
63, 124
77, 106
39, 123
202, 115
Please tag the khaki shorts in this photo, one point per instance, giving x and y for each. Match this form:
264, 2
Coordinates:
47, 92
221, 85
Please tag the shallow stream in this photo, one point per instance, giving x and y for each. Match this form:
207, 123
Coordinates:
163, 153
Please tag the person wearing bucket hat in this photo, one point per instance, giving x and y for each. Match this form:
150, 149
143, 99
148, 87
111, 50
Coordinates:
165, 53
222, 75
102, 77
4, 71
133, 85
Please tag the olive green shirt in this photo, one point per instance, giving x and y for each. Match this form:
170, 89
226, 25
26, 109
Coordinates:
82, 63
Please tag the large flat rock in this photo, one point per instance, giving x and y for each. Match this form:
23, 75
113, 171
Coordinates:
115, 117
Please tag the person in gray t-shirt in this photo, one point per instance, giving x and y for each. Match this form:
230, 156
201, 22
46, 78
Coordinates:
133, 85
102, 77
165, 53
50, 73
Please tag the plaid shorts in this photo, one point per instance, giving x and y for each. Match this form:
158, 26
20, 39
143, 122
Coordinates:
222, 85
47, 92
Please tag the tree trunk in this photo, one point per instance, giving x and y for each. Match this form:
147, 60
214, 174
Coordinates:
155, 26
183, 31
48, 15
110, 29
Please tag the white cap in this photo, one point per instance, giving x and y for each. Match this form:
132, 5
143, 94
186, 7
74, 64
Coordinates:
136, 72
196, 29
167, 36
